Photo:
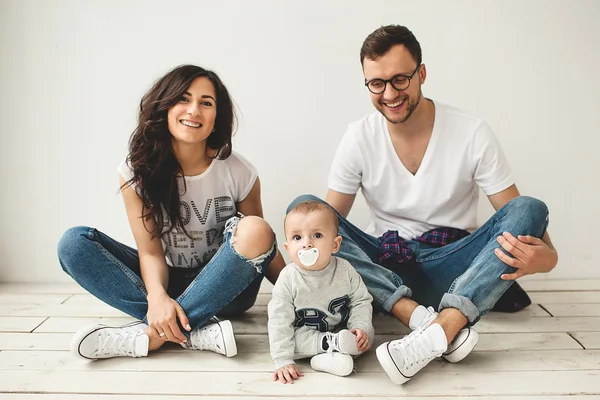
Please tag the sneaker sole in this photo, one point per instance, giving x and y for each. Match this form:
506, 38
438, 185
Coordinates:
83, 333
228, 338
347, 343
389, 366
338, 372
464, 349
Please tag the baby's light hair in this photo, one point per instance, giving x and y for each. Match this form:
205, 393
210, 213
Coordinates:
309, 206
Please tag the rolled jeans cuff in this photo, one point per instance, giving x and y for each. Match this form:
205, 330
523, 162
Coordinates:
462, 304
401, 291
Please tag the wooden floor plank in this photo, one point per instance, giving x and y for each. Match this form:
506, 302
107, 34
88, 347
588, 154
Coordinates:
19, 299
487, 342
20, 324
71, 325
59, 310
35, 341
545, 298
589, 340
574, 310
314, 384
206, 361
544, 353
260, 343
546, 285
41, 288
84, 300
62, 396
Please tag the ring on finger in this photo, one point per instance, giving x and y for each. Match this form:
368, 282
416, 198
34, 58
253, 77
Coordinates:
161, 334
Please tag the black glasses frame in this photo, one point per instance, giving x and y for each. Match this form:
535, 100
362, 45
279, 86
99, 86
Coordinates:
391, 81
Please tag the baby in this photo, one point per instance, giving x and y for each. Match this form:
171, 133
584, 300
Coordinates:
320, 307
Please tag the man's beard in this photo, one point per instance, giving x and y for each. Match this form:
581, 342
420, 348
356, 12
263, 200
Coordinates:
410, 108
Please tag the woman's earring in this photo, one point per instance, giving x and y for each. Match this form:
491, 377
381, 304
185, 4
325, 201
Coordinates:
213, 131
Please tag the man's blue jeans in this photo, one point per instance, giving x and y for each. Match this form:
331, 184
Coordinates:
464, 275
227, 285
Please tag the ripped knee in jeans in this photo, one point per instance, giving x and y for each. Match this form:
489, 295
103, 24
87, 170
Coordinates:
251, 238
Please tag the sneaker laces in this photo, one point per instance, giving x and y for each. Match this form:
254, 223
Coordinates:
206, 338
332, 342
429, 318
117, 342
415, 347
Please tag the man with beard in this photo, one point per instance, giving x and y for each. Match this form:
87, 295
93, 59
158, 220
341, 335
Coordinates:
420, 164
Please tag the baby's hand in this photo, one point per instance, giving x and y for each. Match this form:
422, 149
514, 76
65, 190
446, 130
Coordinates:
362, 339
287, 374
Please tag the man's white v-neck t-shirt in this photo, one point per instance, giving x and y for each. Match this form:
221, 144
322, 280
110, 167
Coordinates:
462, 155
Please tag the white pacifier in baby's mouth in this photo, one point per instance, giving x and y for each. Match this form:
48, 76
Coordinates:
309, 257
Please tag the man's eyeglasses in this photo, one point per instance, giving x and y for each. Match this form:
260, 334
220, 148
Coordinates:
398, 82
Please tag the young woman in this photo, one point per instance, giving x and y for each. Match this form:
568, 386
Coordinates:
195, 211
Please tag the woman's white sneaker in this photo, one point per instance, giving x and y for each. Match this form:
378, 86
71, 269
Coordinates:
217, 337
101, 341
401, 359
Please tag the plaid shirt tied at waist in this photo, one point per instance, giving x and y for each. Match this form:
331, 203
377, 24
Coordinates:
393, 249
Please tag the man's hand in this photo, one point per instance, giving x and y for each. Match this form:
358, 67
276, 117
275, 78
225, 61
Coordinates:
362, 339
530, 255
287, 374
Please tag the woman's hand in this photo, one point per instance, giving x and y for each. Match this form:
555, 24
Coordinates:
163, 313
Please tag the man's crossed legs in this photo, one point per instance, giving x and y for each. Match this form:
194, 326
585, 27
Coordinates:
461, 280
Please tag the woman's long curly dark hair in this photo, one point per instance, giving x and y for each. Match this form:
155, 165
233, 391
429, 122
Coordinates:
151, 157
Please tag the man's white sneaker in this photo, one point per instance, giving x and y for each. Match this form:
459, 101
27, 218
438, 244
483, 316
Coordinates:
100, 341
217, 337
401, 359
422, 317
333, 362
462, 345
344, 342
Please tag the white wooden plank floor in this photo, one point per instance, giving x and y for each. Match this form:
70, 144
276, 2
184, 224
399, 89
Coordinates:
549, 351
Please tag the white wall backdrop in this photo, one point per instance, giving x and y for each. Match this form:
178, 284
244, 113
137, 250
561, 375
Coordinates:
72, 74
